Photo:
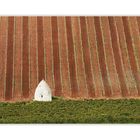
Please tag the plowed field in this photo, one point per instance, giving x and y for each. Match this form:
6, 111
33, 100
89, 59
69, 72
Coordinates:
79, 57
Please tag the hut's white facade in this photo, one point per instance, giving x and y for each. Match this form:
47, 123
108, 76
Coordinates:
43, 92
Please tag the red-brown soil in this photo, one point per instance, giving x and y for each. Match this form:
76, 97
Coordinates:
79, 57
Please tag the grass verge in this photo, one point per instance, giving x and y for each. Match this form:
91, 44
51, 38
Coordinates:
69, 111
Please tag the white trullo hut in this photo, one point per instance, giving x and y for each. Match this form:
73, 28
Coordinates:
43, 92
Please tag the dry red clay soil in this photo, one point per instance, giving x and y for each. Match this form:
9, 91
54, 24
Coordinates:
79, 57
